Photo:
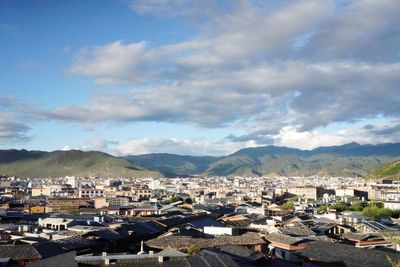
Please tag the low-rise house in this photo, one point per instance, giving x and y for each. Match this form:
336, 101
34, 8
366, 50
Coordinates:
307, 192
157, 259
41, 191
86, 192
237, 220
276, 211
367, 240
368, 226
130, 210
296, 230
34, 209
321, 253
285, 247
66, 204
57, 224
182, 243
243, 255
351, 192
48, 253
218, 231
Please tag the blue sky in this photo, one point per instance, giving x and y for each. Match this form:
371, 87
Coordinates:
198, 77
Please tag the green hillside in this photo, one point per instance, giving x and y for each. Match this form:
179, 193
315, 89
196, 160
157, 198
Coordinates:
346, 160
321, 164
390, 170
62, 163
173, 165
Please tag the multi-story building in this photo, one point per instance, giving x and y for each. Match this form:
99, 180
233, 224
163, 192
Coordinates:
65, 204
90, 192
307, 192
41, 191
118, 201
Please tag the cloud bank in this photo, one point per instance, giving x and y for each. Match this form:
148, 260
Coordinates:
284, 70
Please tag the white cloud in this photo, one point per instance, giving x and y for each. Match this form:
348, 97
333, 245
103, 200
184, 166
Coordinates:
283, 71
12, 126
115, 63
101, 145
66, 148
293, 93
12, 131
290, 136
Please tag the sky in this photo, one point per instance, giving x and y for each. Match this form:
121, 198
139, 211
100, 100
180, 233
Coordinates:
198, 77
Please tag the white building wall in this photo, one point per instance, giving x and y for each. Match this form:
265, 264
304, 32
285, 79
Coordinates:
218, 230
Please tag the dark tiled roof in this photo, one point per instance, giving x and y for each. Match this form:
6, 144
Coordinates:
183, 242
174, 221
72, 243
19, 252
360, 236
106, 234
238, 223
193, 261
343, 255
242, 253
205, 222
211, 261
283, 239
297, 229
377, 226
148, 228
319, 226
48, 249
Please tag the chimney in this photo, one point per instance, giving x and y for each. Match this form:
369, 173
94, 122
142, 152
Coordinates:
160, 259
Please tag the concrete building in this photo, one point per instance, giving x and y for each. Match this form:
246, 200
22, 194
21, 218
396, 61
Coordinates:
41, 191
57, 224
307, 192
65, 204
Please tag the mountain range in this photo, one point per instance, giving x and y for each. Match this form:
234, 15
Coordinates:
345, 160
25, 163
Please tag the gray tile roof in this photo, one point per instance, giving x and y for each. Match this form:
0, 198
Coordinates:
296, 230
283, 239
343, 255
19, 252
183, 242
360, 236
191, 261
242, 253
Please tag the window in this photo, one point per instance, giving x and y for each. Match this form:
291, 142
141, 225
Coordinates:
283, 253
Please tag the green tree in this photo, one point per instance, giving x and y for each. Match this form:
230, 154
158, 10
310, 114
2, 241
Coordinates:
376, 211
289, 204
193, 249
356, 207
174, 199
188, 200
340, 207
72, 211
323, 207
